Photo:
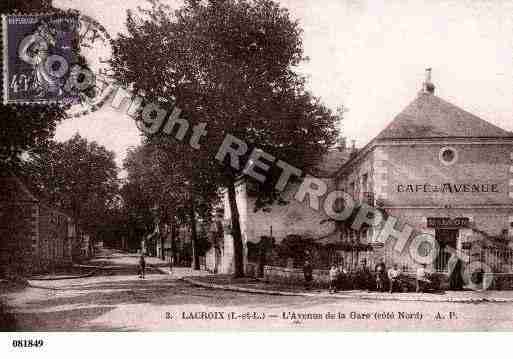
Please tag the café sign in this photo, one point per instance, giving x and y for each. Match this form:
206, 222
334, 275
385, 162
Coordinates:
446, 222
448, 188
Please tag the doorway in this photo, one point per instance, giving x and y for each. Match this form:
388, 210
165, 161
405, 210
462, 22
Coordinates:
446, 238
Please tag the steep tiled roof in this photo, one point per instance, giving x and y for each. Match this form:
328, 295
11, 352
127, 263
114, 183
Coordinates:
330, 163
429, 116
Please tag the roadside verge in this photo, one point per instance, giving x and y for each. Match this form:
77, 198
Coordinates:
452, 297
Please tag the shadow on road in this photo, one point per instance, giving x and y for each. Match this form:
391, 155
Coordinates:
7, 319
85, 304
62, 320
147, 291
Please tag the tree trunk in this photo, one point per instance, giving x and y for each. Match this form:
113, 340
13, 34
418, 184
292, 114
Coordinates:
162, 253
194, 238
174, 257
238, 256
261, 259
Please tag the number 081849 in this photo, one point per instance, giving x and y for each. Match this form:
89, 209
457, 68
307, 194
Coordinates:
27, 343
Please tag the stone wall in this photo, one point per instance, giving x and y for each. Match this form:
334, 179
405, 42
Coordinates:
18, 230
352, 180
294, 218
294, 275
404, 174
478, 162
54, 244
33, 237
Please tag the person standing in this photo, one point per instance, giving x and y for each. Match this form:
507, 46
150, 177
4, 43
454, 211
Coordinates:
171, 262
342, 277
393, 277
364, 276
333, 278
422, 278
308, 274
142, 266
455, 267
381, 271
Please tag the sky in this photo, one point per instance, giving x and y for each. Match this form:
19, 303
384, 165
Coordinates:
369, 56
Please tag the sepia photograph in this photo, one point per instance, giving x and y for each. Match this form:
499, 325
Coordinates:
255, 166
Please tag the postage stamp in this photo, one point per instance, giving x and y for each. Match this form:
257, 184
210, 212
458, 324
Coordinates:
37, 53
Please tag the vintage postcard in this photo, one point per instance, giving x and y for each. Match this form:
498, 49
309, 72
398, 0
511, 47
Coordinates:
333, 165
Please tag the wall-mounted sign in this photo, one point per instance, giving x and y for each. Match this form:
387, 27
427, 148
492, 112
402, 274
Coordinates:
448, 188
446, 222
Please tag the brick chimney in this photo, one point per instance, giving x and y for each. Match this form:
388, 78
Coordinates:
427, 86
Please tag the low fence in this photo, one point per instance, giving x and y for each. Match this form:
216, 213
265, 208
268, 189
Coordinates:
498, 260
495, 260
492, 281
499, 281
294, 275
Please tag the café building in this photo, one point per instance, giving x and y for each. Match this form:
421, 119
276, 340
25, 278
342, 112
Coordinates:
441, 170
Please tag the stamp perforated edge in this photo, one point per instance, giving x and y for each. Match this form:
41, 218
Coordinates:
5, 71
5, 60
4, 57
5, 63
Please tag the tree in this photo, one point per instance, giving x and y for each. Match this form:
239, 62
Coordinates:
79, 177
136, 196
25, 128
161, 178
188, 188
229, 63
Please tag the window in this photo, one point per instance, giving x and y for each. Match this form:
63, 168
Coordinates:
365, 182
448, 156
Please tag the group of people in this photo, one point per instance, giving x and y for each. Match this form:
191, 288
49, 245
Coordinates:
341, 278
392, 277
381, 280
338, 276
422, 278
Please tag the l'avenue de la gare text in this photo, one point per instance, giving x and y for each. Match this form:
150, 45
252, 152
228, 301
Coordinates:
380, 315
448, 188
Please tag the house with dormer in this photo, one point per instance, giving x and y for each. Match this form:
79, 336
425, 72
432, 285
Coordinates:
439, 169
